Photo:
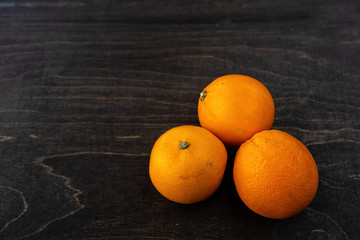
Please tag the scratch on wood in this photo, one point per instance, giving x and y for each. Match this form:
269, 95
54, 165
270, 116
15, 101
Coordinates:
30, 5
123, 79
327, 216
356, 41
126, 116
201, 57
6, 138
92, 123
128, 137
146, 72
100, 87
108, 78
321, 231
26, 206
301, 54
118, 98
355, 176
273, 73
340, 140
50, 171
317, 220
19, 110
21, 75
331, 165
321, 131
331, 185
323, 136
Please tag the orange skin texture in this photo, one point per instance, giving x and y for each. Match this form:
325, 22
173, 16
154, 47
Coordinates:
187, 175
235, 108
275, 174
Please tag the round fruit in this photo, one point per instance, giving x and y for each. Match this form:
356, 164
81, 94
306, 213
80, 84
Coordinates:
235, 107
275, 174
187, 164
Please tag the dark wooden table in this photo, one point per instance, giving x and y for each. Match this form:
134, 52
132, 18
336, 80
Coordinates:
86, 88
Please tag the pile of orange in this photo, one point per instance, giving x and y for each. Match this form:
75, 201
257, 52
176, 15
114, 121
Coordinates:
275, 175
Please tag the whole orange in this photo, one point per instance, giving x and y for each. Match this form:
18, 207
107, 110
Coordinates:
187, 164
275, 174
235, 107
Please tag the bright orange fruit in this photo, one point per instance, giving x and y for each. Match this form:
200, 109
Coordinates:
187, 164
275, 174
235, 107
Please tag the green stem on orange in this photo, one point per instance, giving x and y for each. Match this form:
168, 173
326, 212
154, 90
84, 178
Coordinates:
203, 95
184, 145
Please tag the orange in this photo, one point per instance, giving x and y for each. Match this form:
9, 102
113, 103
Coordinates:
275, 174
235, 107
187, 164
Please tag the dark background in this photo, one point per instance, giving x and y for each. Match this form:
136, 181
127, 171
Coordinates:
86, 88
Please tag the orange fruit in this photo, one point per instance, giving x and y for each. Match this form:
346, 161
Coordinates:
235, 107
187, 164
275, 174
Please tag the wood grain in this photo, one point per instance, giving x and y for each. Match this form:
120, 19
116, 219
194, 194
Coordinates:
86, 87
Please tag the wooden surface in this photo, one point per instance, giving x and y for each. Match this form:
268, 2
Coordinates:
86, 88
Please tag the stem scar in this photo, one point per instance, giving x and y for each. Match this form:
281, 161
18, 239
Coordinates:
184, 145
203, 95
